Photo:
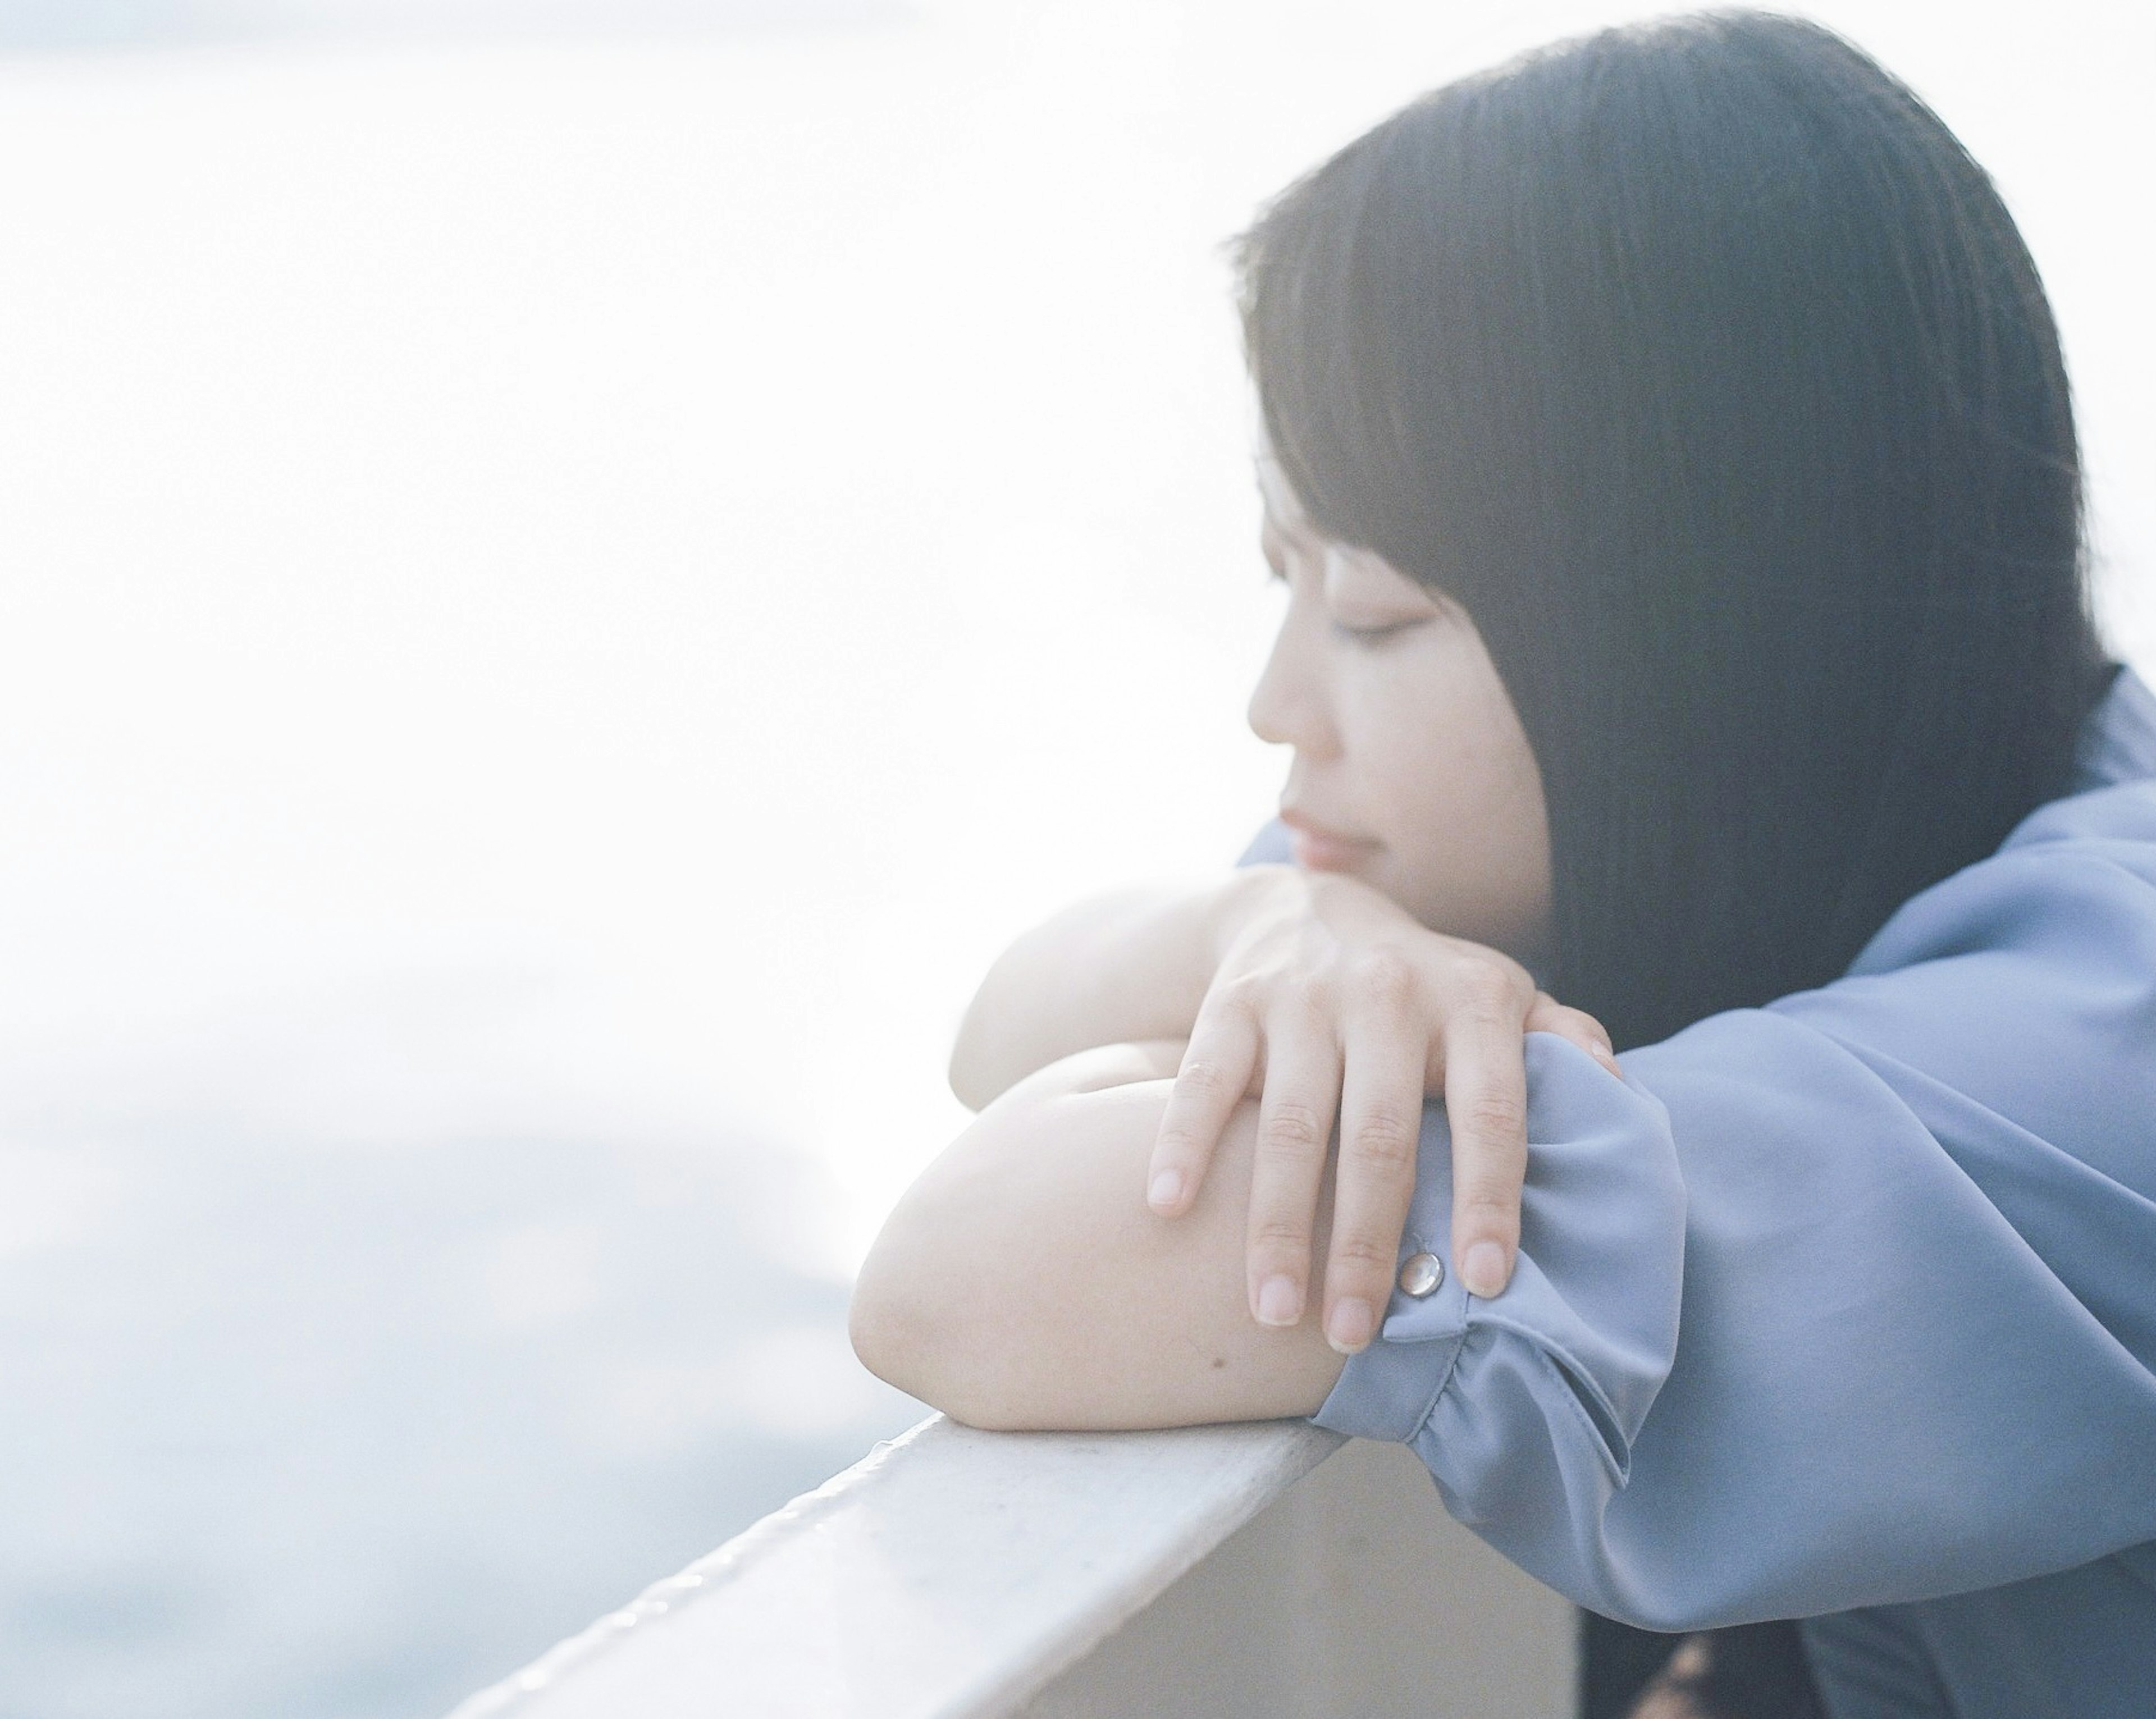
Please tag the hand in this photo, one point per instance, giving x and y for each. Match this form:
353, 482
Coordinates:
1329, 999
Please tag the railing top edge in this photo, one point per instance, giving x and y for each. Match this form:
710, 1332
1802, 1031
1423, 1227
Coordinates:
951, 1572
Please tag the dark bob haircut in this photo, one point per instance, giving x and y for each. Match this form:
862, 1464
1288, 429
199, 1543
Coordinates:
1703, 366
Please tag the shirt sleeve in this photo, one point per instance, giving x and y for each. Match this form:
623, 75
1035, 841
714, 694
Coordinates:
1844, 1301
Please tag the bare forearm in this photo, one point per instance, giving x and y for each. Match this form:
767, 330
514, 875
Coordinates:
1022, 1282
1116, 968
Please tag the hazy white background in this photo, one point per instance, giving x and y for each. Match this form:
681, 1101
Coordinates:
569, 573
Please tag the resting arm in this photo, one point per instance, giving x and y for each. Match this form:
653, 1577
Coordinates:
1906, 1217
1022, 1283
1130, 966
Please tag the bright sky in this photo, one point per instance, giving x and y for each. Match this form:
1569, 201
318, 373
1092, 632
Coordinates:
593, 582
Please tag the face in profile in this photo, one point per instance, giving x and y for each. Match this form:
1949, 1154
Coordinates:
1410, 770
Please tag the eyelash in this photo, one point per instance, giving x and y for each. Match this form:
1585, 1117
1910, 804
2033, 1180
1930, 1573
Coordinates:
1369, 636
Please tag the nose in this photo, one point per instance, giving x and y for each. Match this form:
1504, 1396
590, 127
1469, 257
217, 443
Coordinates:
1288, 706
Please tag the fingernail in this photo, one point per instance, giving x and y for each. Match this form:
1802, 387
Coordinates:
1483, 1269
1166, 1190
1351, 1325
1279, 1302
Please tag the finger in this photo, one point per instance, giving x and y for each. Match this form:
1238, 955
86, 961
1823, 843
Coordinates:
1216, 1073
1485, 1098
1380, 1122
1575, 1025
1295, 1129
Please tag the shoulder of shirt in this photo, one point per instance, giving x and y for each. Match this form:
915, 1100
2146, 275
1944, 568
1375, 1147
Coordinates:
2093, 849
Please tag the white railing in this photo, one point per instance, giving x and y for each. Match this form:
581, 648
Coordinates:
955, 1574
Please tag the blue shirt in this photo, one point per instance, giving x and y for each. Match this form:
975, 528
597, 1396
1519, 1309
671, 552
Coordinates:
1845, 1308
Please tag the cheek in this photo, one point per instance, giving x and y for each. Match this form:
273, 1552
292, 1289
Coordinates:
1456, 799
1440, 746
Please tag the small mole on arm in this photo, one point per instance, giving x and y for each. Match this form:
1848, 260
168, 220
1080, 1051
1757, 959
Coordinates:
1220, 1360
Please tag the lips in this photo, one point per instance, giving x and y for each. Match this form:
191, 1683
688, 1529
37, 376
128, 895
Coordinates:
1319, 847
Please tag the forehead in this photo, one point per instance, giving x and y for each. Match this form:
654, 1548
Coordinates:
1344, 563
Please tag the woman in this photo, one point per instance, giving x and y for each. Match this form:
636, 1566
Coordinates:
1669, 457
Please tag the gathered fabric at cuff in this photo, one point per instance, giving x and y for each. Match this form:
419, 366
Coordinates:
1392, 1402
1568, 1359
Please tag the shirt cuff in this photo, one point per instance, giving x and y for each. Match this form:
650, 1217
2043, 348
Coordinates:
1388, 1390
1589, 1319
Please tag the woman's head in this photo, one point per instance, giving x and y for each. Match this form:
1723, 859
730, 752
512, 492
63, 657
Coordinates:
1699, 365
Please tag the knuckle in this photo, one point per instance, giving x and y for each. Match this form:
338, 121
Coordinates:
1489, 978
1278, 1234
1312, 1000
1384, 978
1477, 1012
1202, 1080
1498, 1114
1364, 1257
1385, 1140
1293, 1127
1245, 994
1488, 1202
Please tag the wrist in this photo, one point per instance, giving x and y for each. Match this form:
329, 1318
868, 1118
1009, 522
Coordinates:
1244, 894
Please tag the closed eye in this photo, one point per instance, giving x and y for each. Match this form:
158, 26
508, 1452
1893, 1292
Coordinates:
1378, 635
